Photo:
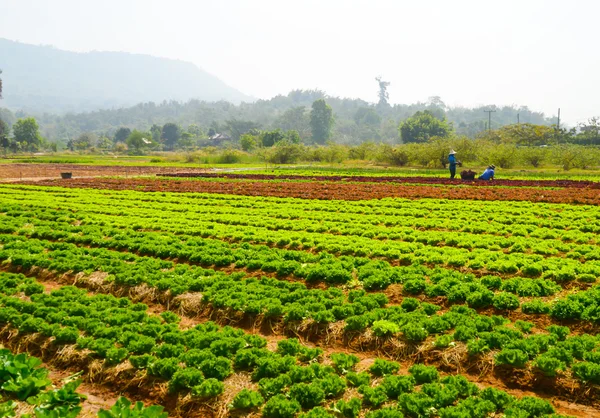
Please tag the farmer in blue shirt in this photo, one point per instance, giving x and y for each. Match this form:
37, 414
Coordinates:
452, 163
488, 174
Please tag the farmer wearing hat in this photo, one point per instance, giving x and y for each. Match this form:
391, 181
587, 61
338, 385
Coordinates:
452, 163
488, 174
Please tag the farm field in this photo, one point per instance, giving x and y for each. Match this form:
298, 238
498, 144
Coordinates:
258, 295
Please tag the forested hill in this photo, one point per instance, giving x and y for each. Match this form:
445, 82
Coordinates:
355, 120
46, 79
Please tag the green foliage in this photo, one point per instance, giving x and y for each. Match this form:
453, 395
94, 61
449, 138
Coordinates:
382, 367
348, 409
247, 399
124, 409
344, 363
280, 407
424, 374
209, 388
511, 357
423, 126
321, 121
384, 328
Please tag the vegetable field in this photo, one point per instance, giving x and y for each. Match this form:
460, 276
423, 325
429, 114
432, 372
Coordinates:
300, 297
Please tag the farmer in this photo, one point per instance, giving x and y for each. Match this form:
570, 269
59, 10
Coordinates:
488, 174
452, 163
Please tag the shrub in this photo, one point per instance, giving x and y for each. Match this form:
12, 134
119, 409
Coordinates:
279, 407
384, 367
424, 374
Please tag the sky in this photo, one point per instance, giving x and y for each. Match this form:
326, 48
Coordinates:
537, 53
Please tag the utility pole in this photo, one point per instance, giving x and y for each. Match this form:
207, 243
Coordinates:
489, 112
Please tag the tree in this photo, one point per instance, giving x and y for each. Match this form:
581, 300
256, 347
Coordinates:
589, 133
122, 134
85, 141
294, 119
422, 126
270, 138
0, 85
248, 142
27, 133
4, 140
237, 128
137, 141
321, 121
104, 143
383, 94
171, 133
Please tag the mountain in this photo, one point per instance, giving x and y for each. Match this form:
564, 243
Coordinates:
46, 79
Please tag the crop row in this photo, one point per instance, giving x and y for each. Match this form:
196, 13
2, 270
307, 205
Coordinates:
314, 232
291, 379
412, 323
23, 379
391, 179
335, 191
523, 219
321, 266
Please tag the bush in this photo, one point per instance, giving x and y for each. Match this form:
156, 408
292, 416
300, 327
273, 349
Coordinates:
424, 374
279, 407
384, 367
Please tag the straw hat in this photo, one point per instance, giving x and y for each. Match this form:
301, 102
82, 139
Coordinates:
493, 167
452, 152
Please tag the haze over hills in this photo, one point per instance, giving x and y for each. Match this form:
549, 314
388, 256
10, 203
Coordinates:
46, 79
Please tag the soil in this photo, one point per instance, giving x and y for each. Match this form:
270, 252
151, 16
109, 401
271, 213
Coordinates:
24, 171
322, 190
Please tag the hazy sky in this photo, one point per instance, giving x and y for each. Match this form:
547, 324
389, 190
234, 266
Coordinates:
539, 53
